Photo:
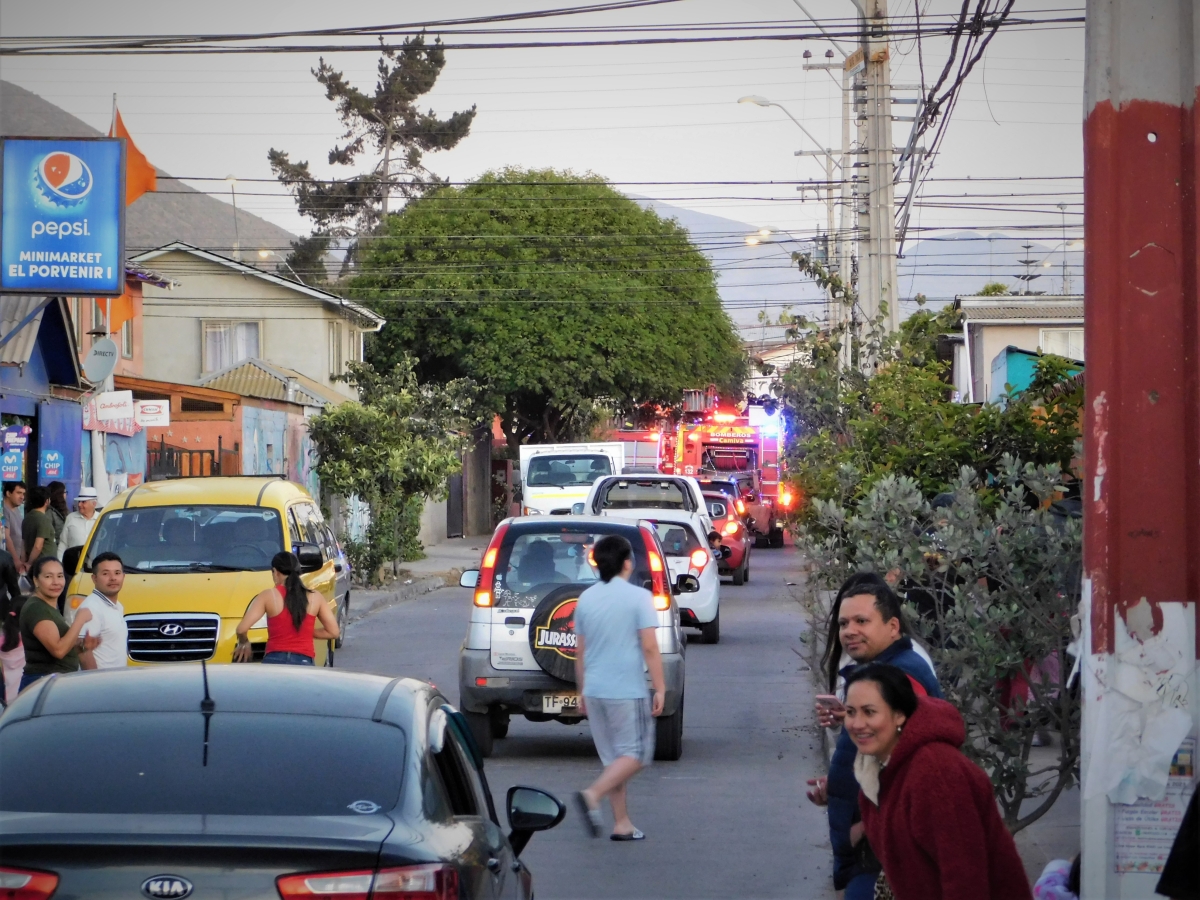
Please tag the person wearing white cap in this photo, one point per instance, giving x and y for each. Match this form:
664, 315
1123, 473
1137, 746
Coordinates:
79, 524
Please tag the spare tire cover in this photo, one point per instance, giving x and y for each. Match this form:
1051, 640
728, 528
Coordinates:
552, 631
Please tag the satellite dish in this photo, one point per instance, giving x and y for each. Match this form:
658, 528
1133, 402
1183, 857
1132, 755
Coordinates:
100, 361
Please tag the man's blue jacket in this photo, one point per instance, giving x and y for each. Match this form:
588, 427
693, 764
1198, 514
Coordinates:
843, 787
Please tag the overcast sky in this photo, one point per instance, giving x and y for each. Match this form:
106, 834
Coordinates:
632, 114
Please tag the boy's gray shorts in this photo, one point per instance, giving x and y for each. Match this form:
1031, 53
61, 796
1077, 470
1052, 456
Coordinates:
622, 728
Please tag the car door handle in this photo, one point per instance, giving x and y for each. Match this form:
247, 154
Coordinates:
494, 865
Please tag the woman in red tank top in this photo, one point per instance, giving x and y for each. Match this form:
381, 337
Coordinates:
295, 616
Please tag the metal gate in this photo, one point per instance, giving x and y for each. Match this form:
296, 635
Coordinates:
454, 507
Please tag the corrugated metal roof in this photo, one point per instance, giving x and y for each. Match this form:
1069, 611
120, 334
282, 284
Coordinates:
13, 310
259, 378
1027, 312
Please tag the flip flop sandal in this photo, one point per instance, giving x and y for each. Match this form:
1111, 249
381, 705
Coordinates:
634, 835
591, 817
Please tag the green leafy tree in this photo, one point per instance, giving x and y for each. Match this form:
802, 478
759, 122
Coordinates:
561, 298
993, 289
387, 126
393, 450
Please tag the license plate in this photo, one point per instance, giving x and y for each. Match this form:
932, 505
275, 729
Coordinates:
557, 703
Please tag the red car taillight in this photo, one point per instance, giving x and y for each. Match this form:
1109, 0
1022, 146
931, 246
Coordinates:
26, 884
732, 527
426, 882
658, 575
741, 507
699, 559
487, 571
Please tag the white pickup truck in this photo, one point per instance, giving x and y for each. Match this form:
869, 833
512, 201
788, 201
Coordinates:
554, 477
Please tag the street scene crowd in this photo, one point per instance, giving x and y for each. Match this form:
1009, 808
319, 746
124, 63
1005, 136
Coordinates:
766, 522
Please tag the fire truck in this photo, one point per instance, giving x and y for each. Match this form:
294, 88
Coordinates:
715, 443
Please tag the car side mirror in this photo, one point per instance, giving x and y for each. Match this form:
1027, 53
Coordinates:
687, 584
309, 556
469, 578
577, 509
530, 810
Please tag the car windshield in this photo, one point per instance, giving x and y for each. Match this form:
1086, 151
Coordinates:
629, 494
534, 563
677, 539
561, 471
154, 763
190, 538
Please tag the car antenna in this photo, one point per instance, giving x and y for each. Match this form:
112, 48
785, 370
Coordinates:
207, 707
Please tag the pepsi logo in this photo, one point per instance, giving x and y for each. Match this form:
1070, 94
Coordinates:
64, 178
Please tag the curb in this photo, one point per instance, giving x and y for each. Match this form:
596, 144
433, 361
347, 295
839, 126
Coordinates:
401, 594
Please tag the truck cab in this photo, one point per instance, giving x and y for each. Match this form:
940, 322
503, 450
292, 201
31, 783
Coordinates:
554, 477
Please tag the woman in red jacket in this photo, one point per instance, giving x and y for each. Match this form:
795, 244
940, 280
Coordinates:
929, 812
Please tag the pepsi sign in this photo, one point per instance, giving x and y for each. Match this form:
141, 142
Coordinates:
62, 216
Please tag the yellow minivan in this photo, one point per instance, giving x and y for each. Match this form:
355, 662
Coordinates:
196, 552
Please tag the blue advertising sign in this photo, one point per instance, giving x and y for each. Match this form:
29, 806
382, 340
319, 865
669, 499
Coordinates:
62, 217
16, 437
52, 464
12, 465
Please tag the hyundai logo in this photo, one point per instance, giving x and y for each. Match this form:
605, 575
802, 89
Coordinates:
163, 886
170, 629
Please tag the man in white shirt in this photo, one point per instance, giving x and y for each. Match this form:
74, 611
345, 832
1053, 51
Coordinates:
108, 615
79, 524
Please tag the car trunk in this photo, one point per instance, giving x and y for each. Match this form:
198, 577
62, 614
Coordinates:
106, 857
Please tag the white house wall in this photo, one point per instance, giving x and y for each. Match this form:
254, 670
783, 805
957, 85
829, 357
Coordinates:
293, 330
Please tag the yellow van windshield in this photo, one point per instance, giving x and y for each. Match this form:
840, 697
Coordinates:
190, 538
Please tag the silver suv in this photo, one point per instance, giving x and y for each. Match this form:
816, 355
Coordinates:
519, 653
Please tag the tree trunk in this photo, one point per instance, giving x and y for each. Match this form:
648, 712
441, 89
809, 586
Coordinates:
387, 174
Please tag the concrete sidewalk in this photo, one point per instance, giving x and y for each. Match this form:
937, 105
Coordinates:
442, 565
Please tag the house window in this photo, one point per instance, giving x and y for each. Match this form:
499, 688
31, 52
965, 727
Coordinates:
226, 343
1066, 342
336, 364
127, 339
98, 316
76, 325
356, 345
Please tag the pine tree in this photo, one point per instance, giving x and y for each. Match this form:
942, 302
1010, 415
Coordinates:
387, 124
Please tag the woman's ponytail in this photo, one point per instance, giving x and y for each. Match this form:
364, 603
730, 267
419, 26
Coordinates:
295, 594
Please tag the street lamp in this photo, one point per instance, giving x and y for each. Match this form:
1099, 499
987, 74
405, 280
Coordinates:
231, 180
263, 254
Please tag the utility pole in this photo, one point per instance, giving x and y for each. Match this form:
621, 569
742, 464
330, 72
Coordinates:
877, 217
1141, 490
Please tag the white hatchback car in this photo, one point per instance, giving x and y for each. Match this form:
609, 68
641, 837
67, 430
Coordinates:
642, 496
687, 553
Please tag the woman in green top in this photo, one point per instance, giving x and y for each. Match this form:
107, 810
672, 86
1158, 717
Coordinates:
50, 646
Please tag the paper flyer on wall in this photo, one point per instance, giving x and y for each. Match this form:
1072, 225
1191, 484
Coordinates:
1146, 830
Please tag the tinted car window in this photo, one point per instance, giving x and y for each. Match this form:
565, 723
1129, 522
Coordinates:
629, 494
190, 538
258, 764
676, 539
568, 470
533, 562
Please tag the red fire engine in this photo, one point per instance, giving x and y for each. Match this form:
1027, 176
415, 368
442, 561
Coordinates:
723, 445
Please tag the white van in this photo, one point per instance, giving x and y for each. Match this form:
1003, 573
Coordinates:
554, 477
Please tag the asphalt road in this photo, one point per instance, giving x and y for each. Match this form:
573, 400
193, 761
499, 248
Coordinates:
729, 819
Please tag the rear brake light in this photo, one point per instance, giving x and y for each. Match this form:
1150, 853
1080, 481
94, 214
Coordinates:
662, 602
26, 884
427, 882
731, 527
487, 571
741, 507
785, 498
699, 559
656, 564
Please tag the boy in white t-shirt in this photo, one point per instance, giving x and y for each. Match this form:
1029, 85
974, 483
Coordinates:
108, 615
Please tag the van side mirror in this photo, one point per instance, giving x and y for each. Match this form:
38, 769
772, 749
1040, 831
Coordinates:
469, 578
309, 556
577, 509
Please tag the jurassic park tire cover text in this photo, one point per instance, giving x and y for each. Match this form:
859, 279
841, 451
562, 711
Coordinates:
552, 632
